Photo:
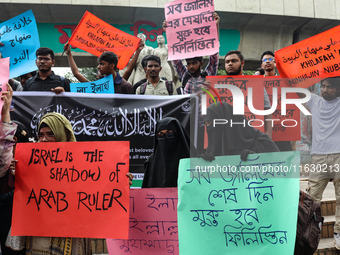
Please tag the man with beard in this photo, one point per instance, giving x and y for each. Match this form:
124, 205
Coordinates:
234, 63
154, 84
45, 79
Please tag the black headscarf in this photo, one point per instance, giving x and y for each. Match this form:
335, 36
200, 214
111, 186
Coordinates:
224, 139
161, 169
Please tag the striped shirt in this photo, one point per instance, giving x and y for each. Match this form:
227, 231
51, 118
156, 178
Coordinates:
193, 83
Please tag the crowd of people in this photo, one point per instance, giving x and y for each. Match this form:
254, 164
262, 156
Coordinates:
149, 73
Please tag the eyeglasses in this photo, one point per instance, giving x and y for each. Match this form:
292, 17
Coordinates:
44, 58
48, 136
167, 134
268, 59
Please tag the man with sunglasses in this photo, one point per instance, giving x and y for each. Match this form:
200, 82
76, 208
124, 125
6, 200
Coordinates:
45, 79
268, 63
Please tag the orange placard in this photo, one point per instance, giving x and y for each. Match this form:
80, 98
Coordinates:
285, 127
242, 82
311, 60
72, 189
218, 95
96, 36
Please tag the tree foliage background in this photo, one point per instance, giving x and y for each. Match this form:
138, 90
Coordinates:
90, 73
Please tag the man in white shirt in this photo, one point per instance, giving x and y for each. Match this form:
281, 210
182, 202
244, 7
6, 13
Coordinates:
154, 84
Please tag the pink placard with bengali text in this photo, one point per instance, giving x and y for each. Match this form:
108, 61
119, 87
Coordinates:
153, 224
4, 76
191, 29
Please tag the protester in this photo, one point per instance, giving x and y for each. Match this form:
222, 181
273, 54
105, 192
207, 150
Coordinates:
143, 62
25, 77
268, 65
7, 132
154, 84
227, 139
107, 64
171, 143
191, 75
193, 78
7, 141
45, 79
234, 63
73, 65
14, 244
259, 71
16, 85
82, 78
325, 151
19, 86
54, 127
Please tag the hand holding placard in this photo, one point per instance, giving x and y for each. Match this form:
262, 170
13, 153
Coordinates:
96, 36
82, 185
21, 40
191, 28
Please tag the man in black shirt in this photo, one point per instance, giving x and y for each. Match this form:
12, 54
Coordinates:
107, 64
45, 79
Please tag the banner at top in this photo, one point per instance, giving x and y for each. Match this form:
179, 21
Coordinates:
191, 29
21, 40
311, 60
96, 36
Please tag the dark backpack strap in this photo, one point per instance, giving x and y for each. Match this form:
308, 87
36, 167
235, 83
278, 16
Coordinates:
180, 90
143, 88
28, 82
168, 85
186, 78
62, 81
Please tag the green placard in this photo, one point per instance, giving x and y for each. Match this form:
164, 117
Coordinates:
229, 206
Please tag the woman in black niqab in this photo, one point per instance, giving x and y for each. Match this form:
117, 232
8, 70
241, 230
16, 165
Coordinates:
161, 169
224, 139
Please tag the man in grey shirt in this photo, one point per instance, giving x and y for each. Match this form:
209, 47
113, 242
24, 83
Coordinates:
325, 152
